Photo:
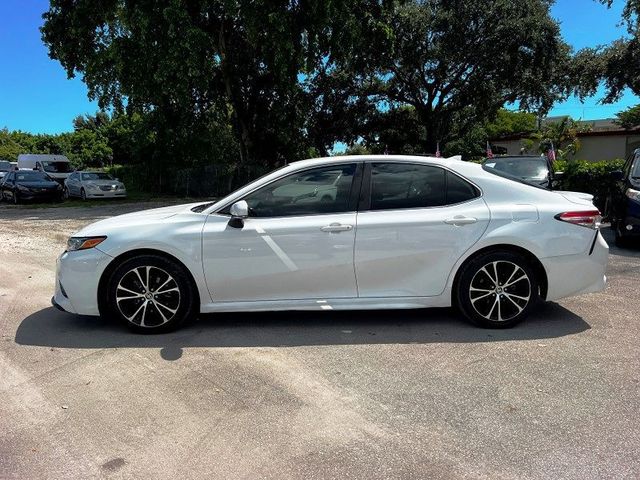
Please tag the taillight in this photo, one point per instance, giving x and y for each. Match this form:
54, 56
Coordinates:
589, 218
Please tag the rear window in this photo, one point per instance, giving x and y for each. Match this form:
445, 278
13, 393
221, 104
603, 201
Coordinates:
530, 171
56, 167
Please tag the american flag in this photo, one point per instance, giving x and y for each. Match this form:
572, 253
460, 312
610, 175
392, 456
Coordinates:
438, 150
551, 153
489, 151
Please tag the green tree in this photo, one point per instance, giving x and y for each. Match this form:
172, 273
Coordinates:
191, 65
629, 118
457, 63
616, 64
563, 135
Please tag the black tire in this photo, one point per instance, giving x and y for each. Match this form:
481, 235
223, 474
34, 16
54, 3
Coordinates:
179, 306
83, 194
500, 304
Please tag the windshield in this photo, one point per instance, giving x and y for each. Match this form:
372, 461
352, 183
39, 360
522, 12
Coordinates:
96, 176
56, 167
32, 176
531, 170
5, 166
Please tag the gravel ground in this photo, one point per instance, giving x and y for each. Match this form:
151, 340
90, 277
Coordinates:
394, 394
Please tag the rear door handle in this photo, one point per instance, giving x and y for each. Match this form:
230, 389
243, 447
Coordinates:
336, 227
460, 220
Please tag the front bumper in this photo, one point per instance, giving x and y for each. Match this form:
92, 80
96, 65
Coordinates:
570, 275
49, 195
77, 277
106, 193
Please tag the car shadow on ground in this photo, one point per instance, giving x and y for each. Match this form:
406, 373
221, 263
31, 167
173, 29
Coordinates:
52, 328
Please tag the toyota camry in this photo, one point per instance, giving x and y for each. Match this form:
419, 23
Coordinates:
352, 232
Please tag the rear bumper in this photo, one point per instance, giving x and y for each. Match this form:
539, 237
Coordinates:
570, 275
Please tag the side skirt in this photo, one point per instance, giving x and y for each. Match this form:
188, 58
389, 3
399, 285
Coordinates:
378, 303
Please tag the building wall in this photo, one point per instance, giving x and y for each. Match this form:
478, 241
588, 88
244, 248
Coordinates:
592, 148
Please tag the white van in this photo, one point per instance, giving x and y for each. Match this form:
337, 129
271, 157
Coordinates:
57, 167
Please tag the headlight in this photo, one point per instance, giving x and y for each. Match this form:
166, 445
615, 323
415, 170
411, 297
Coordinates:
633, 194
83, 243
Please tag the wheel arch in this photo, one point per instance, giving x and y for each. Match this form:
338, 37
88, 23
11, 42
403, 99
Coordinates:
534, 262
113, 264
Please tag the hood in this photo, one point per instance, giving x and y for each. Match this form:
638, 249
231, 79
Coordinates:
38, 184
135, 219
103, 182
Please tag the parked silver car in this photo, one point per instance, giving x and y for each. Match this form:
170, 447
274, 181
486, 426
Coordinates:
93, 185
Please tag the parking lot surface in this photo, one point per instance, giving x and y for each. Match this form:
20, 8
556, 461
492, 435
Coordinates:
389, 394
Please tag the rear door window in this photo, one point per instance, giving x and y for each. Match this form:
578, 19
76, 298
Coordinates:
406, 185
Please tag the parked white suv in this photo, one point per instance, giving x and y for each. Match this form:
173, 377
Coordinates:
93, 185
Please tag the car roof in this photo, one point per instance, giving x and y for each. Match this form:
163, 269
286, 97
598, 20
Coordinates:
500, 157
386, 158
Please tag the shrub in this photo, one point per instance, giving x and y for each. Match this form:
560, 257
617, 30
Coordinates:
589, 177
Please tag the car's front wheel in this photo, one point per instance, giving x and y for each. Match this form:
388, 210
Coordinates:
497, 289
151, 294
83, 194
65, 193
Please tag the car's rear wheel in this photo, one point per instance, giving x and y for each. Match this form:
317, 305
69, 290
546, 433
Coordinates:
497, 289
151, 294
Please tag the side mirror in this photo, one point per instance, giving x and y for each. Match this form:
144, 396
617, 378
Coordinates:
239, 211
617, 175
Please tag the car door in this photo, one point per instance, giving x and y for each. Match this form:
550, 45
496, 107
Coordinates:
415, 222
296, 244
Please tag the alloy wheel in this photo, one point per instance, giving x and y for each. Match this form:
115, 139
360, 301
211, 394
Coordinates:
500, 291
148, 296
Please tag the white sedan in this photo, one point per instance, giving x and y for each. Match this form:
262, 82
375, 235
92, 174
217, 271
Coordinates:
93, 185
396, 232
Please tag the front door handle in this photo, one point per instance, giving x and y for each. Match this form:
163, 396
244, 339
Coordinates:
459, 220
336, 227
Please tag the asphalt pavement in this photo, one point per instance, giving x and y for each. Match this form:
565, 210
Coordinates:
362, 395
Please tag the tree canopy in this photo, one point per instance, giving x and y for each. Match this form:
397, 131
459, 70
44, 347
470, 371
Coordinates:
246, 82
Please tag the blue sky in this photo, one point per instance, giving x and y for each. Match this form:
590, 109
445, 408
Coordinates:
36, 96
